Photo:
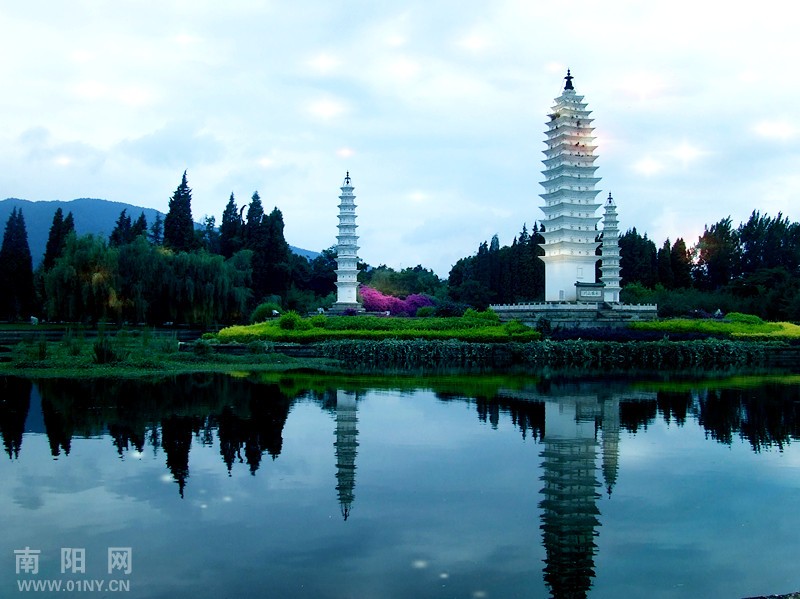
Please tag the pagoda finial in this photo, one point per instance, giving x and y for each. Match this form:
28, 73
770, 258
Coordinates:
569, 81
347, 178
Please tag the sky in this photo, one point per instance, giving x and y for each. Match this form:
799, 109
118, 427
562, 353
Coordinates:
437, 109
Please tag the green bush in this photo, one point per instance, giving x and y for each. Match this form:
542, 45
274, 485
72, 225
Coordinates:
319, 321
515, 327
426, 312
263, 312
486, 315
202, 347
292, 321
743, 318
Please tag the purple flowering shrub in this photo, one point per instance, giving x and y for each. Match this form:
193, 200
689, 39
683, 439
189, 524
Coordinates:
375, 301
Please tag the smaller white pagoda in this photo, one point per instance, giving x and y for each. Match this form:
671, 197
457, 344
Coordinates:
347, 253
609, 266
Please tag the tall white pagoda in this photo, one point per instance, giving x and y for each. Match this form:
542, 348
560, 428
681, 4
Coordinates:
347, 252
610, 253
570, 198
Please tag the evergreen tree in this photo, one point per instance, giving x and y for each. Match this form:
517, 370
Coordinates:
681, 263
253, 233
16, 269
121, 234
665, 275
211, 237
139, 227
178, 224
276, 255
59, 230
638, 259
230, 230
156, 235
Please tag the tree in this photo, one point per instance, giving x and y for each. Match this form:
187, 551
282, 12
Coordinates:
121, 234
681, 264
139, 227
638, 259
276, 255
178, 224
253, 233
230, 230
717, 254
665, 275
210, 235
16, 269
156, 235
57, 238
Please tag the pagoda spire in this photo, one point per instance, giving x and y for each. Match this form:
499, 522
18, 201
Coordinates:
569, 79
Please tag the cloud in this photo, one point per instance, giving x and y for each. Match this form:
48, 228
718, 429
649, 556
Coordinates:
175, 146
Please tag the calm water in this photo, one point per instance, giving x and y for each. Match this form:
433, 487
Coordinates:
326, 487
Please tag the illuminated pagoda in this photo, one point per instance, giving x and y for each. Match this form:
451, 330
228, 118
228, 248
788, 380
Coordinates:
570, 198
346, 444
347, 253
610, 253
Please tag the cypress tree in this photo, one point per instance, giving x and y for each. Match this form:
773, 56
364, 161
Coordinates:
276, 254
139, 227
681, 262
121, 234
16, 269
230, 230
253, 232
156, 235
665, 275
178, 224
55, 241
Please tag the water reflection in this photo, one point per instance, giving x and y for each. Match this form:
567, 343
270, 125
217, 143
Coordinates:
578, 427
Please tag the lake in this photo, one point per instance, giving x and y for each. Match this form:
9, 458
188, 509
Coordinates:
336, 487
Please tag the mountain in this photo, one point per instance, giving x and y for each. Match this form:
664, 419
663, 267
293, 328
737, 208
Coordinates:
91, 216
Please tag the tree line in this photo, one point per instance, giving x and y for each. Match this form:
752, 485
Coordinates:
173, 271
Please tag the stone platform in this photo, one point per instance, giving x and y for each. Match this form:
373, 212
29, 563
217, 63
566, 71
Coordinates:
576, 315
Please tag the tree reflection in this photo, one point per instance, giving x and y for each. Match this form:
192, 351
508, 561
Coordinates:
14, 406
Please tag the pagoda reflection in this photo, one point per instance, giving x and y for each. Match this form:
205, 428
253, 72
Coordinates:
346, 444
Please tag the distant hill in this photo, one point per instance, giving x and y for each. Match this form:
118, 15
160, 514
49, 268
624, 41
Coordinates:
91, 216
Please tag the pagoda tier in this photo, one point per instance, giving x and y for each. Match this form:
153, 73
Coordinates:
610, 253
570, 204
347, 252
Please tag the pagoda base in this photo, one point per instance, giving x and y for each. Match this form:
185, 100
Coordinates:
575, 315
346, 307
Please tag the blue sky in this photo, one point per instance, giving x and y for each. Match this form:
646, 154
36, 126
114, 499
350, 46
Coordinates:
438, 110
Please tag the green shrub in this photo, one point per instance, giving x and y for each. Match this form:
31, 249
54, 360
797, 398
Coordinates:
426, 312
202, 347
319, 321
261, 347
743, 318
263, 312
292, 321
486, 315
515, 327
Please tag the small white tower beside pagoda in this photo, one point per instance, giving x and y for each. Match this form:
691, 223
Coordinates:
569, 198
347, 253
609, 266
